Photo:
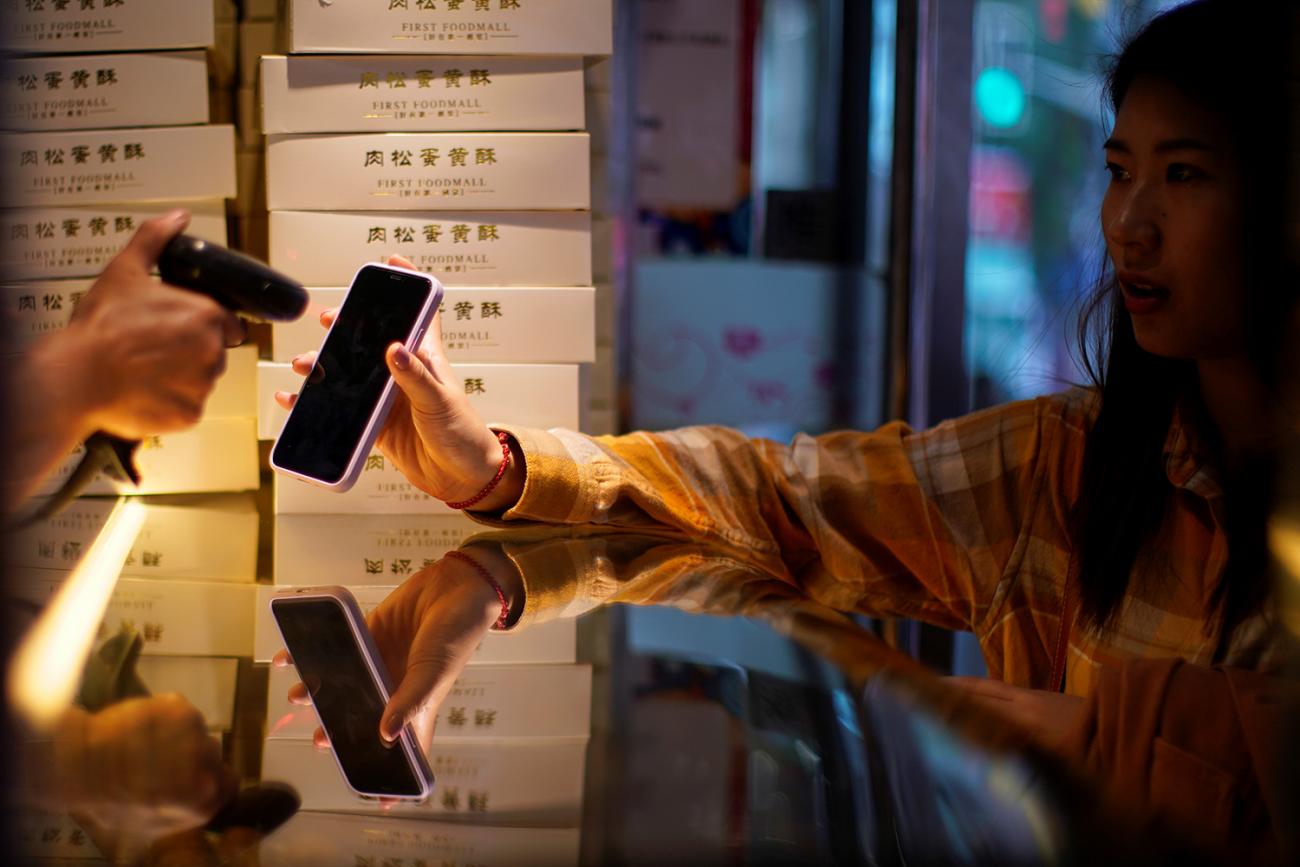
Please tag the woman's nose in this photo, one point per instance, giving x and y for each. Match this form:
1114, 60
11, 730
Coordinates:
1135, 222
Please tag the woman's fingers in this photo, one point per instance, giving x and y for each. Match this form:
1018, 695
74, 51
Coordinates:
298, 694
303, 364
286, 399
327, 317
282, 659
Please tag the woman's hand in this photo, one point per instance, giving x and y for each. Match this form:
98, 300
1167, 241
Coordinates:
426, 630
1047, 716
433, 434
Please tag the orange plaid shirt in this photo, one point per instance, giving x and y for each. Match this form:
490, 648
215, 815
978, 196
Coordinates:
964, 526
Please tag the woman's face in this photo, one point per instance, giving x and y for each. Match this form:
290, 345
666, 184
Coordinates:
1173, 221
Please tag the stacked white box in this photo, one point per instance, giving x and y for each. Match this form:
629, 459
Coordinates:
526, 782
62, 92
575, 27
474, 165
503, 324
315, 839
174, 617
520, 248
404, 171
78, 241
50, 27
550, 643
420, 93
202, 537
142, 164
487, 703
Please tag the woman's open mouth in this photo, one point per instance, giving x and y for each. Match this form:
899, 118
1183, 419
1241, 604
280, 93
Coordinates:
1141, 298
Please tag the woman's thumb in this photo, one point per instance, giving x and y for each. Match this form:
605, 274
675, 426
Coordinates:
390, 724
421, 689
413, 377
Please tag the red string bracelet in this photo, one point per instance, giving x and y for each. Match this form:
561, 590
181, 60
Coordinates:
492, 582
504, 439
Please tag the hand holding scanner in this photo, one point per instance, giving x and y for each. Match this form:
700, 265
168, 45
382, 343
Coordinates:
240, 283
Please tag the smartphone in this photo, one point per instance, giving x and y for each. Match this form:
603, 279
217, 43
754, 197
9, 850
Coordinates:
331, 647
344, 400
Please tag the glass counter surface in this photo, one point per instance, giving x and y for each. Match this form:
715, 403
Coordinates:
769, 729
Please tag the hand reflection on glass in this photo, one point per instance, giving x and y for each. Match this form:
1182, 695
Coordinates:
426, 630
132, 773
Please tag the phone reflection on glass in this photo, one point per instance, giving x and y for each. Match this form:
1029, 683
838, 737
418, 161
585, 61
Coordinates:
331, 648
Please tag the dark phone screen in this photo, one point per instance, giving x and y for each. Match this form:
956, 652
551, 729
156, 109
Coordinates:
345, 386
331, 664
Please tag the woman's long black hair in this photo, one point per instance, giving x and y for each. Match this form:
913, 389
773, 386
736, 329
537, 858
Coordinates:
1227, 56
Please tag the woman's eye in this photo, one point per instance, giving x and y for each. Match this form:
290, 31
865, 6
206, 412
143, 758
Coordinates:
1182, 172
1117, 172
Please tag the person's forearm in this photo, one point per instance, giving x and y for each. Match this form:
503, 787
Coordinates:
50, 413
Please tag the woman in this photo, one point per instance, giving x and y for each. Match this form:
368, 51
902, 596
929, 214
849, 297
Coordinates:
1070, 533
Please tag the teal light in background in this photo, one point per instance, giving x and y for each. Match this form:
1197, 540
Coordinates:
1000, 97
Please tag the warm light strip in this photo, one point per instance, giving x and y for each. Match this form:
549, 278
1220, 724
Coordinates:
1284, 540
45, 672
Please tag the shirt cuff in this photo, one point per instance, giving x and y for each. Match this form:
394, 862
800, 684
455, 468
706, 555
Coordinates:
555, 485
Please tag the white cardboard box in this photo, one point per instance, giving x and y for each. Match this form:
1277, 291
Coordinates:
315, 839
34, 309
518, 248
511, 325
37, 308
531, 395
88, 167
552, 642
352, 549
48, 243
53, 838
214, 456
105, 90
440, 27
419, 93
208, 683
210, 537
427, 171
487, 702
532, 782
175, 618
51, 27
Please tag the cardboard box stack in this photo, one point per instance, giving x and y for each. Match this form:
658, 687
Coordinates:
106, 108
452, 134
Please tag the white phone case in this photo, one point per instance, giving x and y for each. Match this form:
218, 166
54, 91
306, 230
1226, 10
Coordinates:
374, 663
377, 418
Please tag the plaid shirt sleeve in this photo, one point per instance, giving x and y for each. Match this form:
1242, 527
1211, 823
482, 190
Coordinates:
926, 525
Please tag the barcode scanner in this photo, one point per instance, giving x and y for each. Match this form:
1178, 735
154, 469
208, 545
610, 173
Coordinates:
239, 283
